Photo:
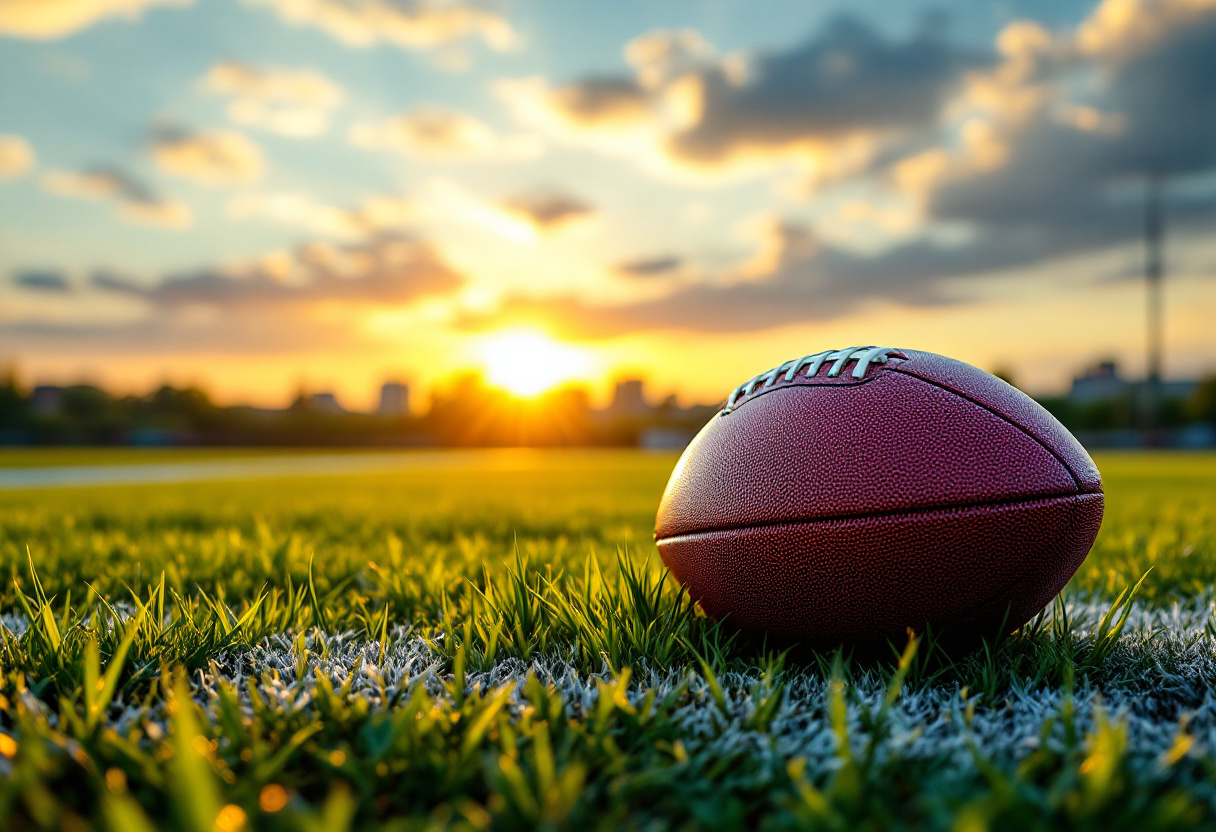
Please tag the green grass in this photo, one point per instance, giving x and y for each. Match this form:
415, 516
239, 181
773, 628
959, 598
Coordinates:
492, 644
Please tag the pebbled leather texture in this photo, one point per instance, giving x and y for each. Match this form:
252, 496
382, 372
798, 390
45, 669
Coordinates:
928, 492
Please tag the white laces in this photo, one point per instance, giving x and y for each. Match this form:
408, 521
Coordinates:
812, 364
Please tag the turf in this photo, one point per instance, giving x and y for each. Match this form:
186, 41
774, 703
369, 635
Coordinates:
492, 644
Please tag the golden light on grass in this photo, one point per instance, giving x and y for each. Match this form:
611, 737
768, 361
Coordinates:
230, 819
527, 363
272, 798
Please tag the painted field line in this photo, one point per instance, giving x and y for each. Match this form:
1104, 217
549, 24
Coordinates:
303, 465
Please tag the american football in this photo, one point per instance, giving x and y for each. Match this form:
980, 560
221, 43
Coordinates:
388, 439
849, 495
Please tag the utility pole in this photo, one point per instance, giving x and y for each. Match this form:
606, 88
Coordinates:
1154, 233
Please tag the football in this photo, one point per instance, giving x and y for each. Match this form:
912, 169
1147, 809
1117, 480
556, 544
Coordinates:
847, 496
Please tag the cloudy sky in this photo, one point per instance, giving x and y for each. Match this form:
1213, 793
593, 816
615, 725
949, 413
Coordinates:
259, 195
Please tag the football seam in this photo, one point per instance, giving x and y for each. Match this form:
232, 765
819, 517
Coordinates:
1011, 502
1064, 464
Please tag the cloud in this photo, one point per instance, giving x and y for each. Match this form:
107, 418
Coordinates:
16, 157
1059, 140
428, 132
829, 105
795, 278
793, 287
1051, 148
373, 215
389, 269
49, 19
290, 102
133, 201
548, 210
414, 24
651, 267
587, 109
609, 114
522, 218
42, 281
212, 157
315, 297
1038, 155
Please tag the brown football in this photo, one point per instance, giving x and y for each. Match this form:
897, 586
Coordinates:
849, 495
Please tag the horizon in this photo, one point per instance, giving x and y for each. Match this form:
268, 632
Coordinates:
599, 400
306, 195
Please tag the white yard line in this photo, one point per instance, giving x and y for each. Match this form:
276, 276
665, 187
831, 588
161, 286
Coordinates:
924, 723
310, 465
927, 723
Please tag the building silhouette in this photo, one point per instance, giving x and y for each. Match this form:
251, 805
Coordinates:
46, 399
629, 398
1103, 383
394, 399
326, 403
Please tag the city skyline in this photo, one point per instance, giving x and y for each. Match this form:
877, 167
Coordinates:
261, 196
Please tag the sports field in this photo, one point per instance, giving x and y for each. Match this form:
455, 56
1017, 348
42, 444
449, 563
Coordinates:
486, 640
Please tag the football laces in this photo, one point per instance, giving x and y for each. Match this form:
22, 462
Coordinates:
810, 365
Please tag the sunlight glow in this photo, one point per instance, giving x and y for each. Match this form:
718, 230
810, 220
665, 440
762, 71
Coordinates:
528, 363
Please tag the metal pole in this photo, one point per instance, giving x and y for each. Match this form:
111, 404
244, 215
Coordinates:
1153, 242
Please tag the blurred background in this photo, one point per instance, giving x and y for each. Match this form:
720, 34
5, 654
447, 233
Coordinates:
404, 222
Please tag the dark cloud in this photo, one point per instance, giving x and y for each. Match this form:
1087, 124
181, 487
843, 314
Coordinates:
810, 282
387, 269
236, 335
548, 209
1154, 113
209, 157
279, 303
847, 80
802, 282
42, 281
133, 200
603, 100
650, 267
1071, 128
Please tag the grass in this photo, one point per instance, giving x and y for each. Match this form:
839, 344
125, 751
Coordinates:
493, 644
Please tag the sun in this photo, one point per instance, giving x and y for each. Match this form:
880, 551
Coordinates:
528, 363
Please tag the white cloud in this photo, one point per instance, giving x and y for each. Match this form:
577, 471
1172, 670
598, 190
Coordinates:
429, 132
414, 24
291, 102
373, 215
49, 19
16, 157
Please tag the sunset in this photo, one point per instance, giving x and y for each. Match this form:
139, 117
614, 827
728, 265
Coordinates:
576, 416
527, 363
326, 195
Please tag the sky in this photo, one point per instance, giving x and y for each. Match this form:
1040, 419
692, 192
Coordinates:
268, 196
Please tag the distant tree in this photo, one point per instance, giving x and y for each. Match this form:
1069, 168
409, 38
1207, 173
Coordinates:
14, 406
1105, 414
86, 403
1202, 404
1172, 412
